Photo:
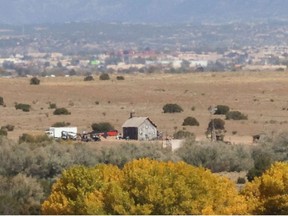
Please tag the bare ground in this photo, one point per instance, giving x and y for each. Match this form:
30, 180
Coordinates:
260, 95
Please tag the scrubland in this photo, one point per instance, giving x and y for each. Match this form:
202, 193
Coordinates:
259, 95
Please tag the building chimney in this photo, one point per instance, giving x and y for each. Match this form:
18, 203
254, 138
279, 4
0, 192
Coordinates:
132, 114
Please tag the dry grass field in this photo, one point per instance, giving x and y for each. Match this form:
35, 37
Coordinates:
260, 95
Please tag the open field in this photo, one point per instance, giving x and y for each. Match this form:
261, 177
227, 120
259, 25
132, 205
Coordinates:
260, 95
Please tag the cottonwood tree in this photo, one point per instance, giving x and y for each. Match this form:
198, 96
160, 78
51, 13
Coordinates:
143, 187
268, 194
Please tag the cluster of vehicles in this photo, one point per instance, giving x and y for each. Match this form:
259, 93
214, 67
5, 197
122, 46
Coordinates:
70, 133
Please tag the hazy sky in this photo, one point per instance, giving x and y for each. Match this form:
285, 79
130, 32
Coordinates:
151, 11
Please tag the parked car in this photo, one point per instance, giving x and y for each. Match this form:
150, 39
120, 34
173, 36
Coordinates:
67, 135
95, 137
89, 137
106, 134
112, 133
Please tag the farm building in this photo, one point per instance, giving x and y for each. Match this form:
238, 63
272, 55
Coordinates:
139, 128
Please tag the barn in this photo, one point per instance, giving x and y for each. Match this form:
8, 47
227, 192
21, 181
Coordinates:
139, 128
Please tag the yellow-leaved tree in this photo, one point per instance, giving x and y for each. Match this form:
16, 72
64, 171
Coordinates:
82, 190
268, 194
178, 188
143, 187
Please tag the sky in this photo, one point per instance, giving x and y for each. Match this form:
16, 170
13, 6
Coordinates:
140, 11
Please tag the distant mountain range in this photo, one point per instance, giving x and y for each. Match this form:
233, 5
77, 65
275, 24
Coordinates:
141, 11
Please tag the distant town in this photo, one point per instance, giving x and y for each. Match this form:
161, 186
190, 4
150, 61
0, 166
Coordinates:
75, 49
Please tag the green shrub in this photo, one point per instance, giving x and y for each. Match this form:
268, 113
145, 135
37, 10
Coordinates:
72, 72
183, 135
252, 173
23, 107
52, 106
1, 101
8, 127
20, 195
122, 153
61, 124
34, 81
218, 158
102, 127
3, 132
190, 121
104, 76
28, 138
235, 115
222, 110
218, 124
241, 180
61, 111
172, 108
120, 78
263, 158
89, 78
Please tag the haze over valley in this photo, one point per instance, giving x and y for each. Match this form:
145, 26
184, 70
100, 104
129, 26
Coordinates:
161, 107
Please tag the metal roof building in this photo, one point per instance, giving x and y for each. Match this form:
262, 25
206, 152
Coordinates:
139, 128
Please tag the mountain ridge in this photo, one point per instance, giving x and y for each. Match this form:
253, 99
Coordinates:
141, 11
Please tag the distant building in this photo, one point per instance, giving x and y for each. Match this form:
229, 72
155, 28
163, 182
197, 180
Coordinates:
264, 67
123, 66
197, 63
139, 128
177, 63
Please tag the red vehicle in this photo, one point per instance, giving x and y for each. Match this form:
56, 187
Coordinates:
106, 134
112, 133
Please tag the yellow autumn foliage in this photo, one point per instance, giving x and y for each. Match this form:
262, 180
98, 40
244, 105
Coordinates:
179, 188
143, 187
70, 192
268, 194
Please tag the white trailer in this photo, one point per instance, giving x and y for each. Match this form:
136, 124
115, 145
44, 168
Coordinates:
59, 132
